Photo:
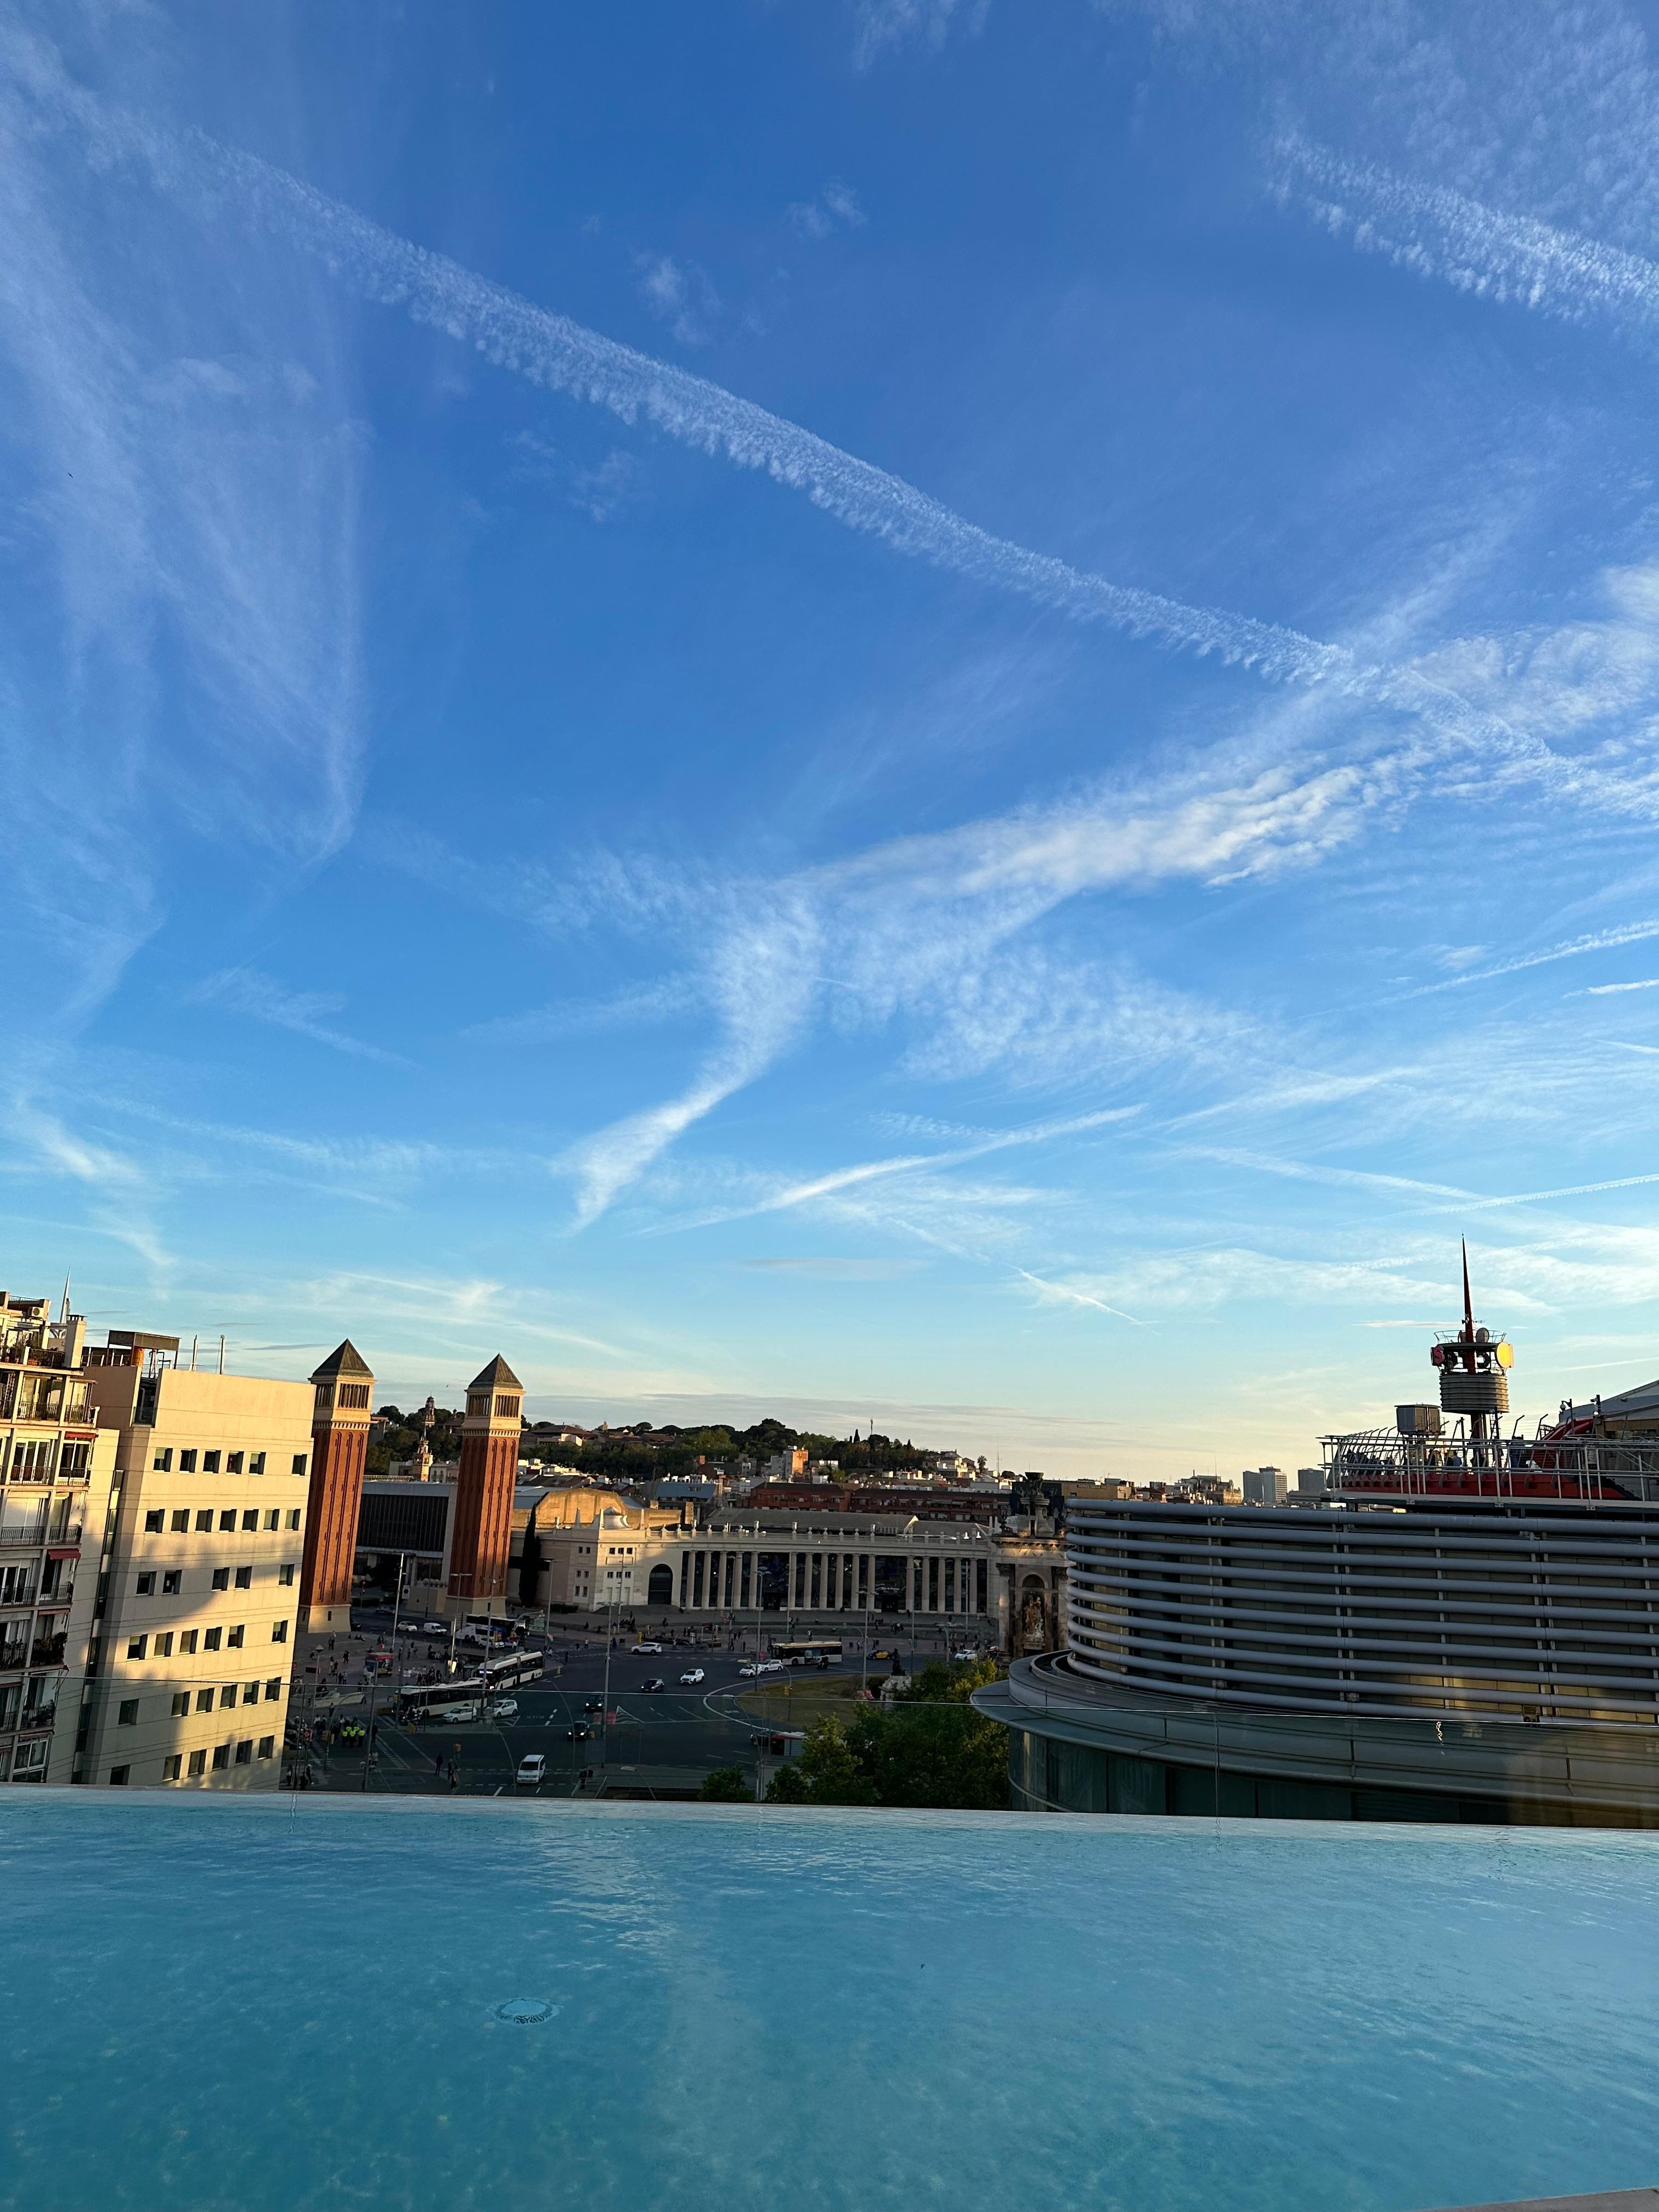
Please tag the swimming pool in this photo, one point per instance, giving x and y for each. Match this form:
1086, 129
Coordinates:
296, 2003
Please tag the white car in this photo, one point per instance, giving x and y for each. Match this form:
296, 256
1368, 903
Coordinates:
503, 1709
746, 1668
641, 1648
454, 1712
692, 1675
532, 1771
770, 1667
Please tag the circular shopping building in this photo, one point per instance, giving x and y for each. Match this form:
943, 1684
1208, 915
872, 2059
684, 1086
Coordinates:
1482, 1658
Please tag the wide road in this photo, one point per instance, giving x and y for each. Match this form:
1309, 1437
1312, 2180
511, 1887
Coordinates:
675, 1735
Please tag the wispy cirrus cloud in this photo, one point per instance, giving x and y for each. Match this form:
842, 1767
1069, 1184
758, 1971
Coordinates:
262, 999
679, 293
836, 207
202, 177
882, 24
842, 1179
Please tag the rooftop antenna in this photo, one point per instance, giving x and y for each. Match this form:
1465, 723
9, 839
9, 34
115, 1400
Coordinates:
1468, 1307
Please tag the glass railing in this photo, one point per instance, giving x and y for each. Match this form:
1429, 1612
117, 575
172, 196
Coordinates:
1609, 1761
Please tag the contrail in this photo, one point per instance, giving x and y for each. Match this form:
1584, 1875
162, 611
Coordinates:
1479, 249
205, 178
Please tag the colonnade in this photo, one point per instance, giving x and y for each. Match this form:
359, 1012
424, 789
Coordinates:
790, 1578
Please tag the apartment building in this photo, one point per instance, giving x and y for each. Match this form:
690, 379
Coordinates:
192, 1637
55, 1466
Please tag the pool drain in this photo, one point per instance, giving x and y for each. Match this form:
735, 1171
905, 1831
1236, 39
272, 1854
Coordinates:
524, 2011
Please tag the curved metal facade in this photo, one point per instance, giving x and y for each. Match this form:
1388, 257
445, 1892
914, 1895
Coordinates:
1509, 1609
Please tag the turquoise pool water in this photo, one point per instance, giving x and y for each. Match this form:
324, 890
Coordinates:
295, 2004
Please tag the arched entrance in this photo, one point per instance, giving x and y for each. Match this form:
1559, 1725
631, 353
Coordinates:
662, 1586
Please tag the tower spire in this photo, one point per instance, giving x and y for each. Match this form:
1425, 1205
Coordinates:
1468, 1307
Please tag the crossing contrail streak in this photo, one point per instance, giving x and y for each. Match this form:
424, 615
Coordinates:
209, 179
1475, 248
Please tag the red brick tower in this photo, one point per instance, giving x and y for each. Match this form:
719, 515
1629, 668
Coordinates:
339, 1445
483, 1490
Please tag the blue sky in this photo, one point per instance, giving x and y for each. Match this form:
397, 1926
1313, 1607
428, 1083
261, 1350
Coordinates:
873, 709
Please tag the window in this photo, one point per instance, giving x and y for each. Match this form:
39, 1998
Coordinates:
272, 1518
220, 1756
164, 1644
181, 1524
273, 1689
299, 1463
228, 1695
181, 1703
250, 1521
256, 1464
244, 1752
199, 1762
279, 1631
244, 1578
204, 1521
163, 1462
285, 1575
210, 1462
136, 1645
118, 1775
170, 1766
234, 1464
171, 1581
147, 1585
210, 1639
154, 1522
222, 1578
228, 1522
293, 1521
234, 1637
352, 1394
127, 1713
249, 1693
267, 1747
205, 1701
186, 1640
187, 1462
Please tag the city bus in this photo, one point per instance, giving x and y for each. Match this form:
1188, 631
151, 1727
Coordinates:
494, 1678
812, 1652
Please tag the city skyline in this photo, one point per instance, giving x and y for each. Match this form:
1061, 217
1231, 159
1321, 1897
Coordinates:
882, 711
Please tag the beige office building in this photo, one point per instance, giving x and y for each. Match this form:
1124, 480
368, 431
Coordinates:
193, 1637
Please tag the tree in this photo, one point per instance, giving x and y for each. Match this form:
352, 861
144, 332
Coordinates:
726, 1785
829, 1771
788, 1786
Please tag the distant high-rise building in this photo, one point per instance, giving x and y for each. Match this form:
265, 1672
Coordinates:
57, 1465
342, 1411
1265, 1486
490, 1431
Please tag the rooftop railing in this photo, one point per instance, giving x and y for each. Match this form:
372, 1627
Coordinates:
1583, 1469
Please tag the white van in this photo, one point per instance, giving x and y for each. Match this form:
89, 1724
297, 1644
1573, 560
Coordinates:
532, 1771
